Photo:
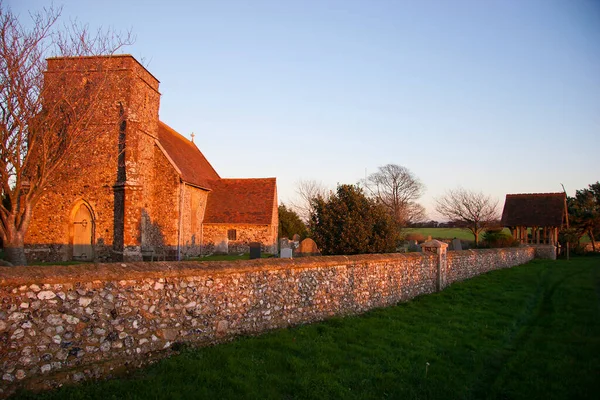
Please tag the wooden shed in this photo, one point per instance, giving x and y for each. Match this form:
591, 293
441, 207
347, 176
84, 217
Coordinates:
540, 214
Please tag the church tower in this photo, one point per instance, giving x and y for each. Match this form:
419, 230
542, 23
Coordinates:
94, 210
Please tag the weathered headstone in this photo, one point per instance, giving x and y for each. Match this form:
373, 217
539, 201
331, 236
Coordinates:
307, 247
285, 253
456, 244
284, 243
222, 245
413, 246
254, 250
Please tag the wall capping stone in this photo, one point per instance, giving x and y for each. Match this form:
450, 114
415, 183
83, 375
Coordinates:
52, 274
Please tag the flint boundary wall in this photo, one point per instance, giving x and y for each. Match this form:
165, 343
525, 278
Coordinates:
61, 324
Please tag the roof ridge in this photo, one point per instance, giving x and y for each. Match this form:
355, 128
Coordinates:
535, 194
247, 179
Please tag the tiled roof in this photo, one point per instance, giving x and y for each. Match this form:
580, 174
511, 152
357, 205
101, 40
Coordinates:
241, 201
192, 166
534, 209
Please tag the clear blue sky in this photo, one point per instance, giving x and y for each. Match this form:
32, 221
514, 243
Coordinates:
495, 96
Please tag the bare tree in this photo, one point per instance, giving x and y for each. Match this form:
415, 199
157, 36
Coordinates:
476, 210
308, 190
397, 188
43, 117
415, 213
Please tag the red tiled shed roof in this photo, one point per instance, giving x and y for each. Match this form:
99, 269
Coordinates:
193, 167
241, 201
534, 209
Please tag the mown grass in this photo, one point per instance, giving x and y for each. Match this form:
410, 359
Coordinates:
459, 233
228, 257
442, 233
214, 257
530, 332
44, 263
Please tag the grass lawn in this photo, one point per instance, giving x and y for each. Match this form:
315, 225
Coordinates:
463, 234
442, 233
531, 332
215, 257
41, 263
228, 257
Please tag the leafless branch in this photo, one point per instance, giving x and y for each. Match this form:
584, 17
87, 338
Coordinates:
398, 189
43, 116
306, 191
475, 209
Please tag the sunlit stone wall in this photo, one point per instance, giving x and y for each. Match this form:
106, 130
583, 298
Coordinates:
69, 323
466, 264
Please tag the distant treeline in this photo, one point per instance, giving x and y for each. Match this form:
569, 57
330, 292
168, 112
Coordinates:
447, 224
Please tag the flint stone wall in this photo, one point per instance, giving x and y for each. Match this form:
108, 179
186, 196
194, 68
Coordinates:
69, 323
545, 252
466, 264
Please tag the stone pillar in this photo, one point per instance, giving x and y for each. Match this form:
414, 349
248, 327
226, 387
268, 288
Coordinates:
545, 252
439, 248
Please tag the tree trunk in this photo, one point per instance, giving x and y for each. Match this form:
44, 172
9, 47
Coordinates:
13, 237
475, 232
591, 234
14, 248
14, 253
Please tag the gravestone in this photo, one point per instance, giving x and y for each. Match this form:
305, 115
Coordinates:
307, 247
222, 245
402, 248
413, 246
254, 250
285, 253
284, 243
456, 244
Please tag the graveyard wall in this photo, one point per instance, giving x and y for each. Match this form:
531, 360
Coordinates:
466, 264
69, 323
544, 251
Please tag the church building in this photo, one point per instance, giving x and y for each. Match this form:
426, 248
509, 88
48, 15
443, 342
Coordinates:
138, 187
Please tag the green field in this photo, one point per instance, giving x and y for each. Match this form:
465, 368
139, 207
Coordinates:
445, 233
530, 332
463, 234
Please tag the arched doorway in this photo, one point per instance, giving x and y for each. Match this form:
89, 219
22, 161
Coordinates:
83, 231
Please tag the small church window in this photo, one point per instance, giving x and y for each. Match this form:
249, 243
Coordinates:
232, 234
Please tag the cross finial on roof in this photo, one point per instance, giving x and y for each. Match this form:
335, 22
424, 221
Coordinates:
192, 135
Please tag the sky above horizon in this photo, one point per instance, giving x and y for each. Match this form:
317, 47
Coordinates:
493, 96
